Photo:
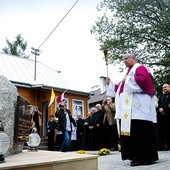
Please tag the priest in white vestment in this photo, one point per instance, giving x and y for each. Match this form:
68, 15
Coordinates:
135, 113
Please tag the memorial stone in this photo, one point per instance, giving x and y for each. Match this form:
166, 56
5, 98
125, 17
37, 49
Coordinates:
8, 103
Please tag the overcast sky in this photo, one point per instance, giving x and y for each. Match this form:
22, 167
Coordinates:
71, 48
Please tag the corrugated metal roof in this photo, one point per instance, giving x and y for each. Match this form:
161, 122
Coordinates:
21, 70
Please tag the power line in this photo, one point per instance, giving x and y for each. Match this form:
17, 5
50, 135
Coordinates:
58, 24
37, 51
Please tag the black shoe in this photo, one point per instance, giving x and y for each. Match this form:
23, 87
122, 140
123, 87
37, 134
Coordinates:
141, 163
135, 163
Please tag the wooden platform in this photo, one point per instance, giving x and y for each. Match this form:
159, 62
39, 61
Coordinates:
48, 160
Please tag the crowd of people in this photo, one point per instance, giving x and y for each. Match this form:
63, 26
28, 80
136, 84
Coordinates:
129, 116
97, 130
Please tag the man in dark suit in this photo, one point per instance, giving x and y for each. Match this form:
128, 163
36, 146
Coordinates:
98, 128
163, 118
80, 129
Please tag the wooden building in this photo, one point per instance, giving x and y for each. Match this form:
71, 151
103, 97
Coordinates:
35, 86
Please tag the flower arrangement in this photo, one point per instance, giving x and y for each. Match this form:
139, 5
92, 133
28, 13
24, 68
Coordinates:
81, 152
104, 151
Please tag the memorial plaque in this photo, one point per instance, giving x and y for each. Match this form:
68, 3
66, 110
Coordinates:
22, 120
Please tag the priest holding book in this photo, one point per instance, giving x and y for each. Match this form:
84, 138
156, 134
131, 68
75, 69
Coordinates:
135, 113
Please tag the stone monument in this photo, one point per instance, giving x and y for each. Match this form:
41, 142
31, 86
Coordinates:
8, 102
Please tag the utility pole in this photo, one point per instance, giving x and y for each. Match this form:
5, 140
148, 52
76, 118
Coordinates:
36, 52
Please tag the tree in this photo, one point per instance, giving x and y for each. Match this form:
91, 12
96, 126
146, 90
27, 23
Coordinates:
17, 47
141, 26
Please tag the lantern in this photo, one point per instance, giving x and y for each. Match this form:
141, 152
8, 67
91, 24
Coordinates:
34, 140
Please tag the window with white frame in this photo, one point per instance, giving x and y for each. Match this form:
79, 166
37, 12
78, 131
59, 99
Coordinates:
78, 108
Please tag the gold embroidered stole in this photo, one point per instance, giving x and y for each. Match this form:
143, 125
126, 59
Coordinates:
126, 113
123, 104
